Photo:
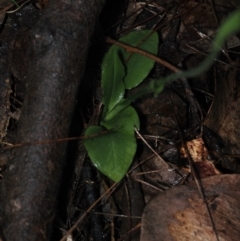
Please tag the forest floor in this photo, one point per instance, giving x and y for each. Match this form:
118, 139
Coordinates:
188, 133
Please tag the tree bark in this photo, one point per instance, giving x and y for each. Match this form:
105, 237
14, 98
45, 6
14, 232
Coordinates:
59, 44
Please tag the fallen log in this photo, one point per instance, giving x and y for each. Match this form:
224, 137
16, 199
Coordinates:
58, 49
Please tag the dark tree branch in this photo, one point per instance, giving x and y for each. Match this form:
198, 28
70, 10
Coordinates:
59, 44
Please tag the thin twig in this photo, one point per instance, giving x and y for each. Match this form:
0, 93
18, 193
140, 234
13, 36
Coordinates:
132, 49
19, 7
41, 142
87, 212
146, 143
137, 226
149, 185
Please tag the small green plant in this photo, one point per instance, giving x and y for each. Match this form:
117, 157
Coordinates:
112, 145
112, 152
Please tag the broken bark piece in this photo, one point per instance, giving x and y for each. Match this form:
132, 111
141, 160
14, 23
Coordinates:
59, 44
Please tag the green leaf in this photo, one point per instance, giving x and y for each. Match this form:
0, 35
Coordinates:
138, 66
124, 103
113, 73
125, 119
112, 146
